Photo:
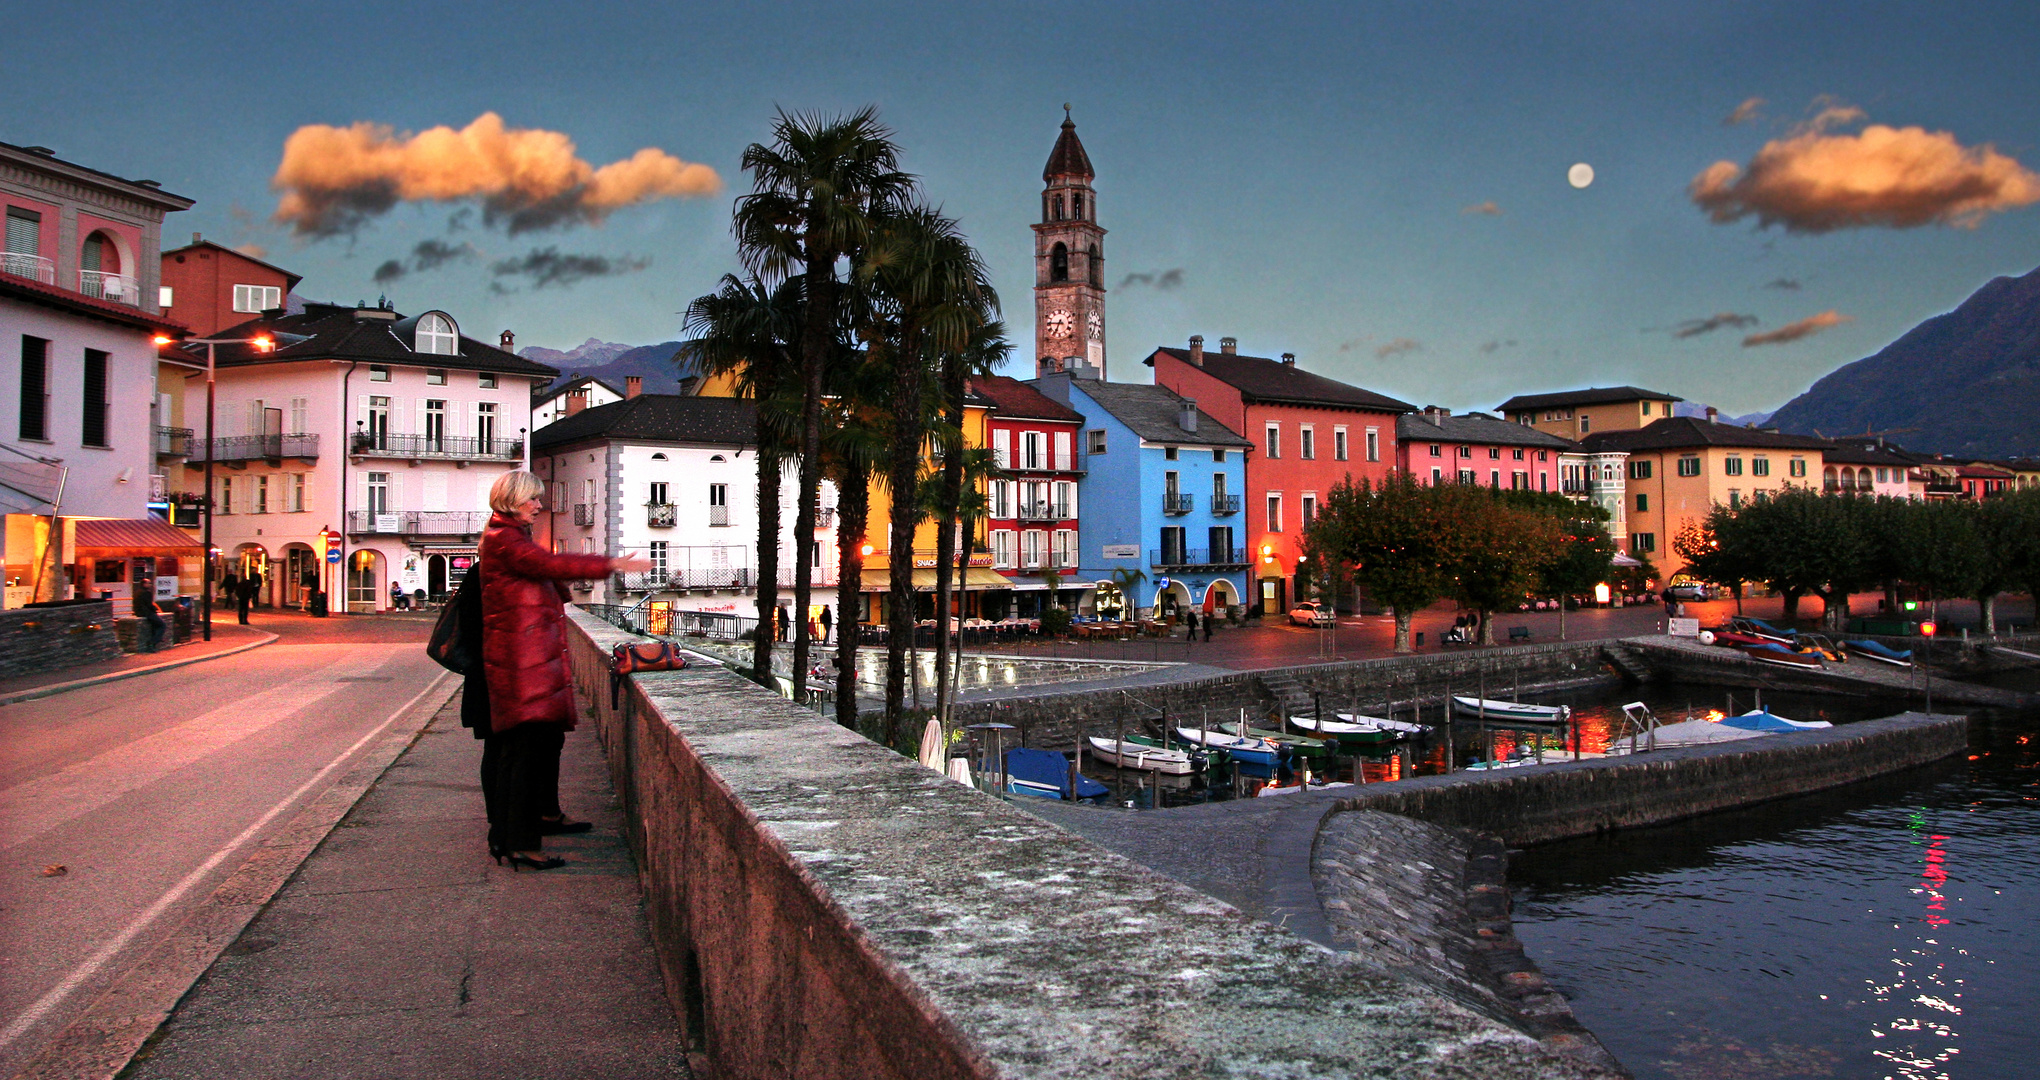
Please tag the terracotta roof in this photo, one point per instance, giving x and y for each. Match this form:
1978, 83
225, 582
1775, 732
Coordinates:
1011, 397
131, 533
1258, 378
1595, 395
77, 303
332, 332
1868, 452
658, 418
1151, 411
1682, 432
1068, 157
1475, 428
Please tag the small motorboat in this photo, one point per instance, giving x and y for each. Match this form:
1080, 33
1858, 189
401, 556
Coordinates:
1046, 774
1201, 756
1731, 638
1766, 721
1133, 755
1298, 745
1822, 646
1762, 629
1512, 711
1363, 732
1403, 726
1882, 653
1771, 652
1252, 750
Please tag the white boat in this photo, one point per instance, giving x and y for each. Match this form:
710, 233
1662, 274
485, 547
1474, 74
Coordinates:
1383, 722
1249, 748
1510, 710
1132, 755
1270, 790
1358, 732
1510, 763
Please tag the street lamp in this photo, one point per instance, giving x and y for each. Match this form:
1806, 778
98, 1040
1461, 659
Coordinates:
262, 343
1927, 630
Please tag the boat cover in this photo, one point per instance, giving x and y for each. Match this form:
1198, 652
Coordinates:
1764, 720
1049, 768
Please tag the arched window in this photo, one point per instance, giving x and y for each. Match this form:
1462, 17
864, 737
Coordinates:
1046, 213
1058, 208
1059, 262
435, 335
1863, 479
1077, 205
1095, 264
1831, 482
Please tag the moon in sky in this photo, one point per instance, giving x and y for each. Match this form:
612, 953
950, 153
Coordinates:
1580, 175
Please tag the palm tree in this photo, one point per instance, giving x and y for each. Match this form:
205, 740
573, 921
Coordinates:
854, 445
984, 353
747, 330
815, 191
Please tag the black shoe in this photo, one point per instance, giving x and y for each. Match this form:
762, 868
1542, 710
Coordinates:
562, 827
518, 858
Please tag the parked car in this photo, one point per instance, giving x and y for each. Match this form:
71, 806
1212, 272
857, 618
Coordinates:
1310, 613
1687, 592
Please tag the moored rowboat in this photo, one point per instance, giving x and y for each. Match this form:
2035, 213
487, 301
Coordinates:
1251, 750
1346, 732
1132, 755
1510, 710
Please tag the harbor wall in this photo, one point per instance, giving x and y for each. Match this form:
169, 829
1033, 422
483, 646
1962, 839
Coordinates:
823, 907
1540, 804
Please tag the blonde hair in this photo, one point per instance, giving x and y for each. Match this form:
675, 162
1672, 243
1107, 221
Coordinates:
512, 489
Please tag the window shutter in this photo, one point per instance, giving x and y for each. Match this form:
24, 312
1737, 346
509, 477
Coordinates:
1062, 450
1002, 448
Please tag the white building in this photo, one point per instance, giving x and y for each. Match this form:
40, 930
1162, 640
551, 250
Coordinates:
570, 397
79, 314
382, 431
674, 478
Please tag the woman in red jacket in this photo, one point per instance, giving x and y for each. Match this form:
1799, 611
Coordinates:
524, 658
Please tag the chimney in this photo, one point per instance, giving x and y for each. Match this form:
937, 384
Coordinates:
196, 237
509, 341
1711, 415
1197, 350
633, 385
1186, 415
1228, 346
576, 401
1289, 359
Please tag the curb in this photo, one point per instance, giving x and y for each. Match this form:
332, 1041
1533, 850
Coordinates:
115, 676
101, 1042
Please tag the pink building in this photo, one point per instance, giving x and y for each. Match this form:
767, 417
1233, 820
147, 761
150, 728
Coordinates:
1437, 447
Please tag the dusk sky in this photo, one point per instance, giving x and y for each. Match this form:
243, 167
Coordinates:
1380, 189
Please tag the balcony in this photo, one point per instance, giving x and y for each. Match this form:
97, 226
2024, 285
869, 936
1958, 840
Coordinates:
584, 514
661, 515
1043, 464
708, 578
241, 449
32, 267
1178, 503
173, 441
825, 517
719, 517
1044, 511
118, 288
1221, 505
440, 447
417, 522
1197, 558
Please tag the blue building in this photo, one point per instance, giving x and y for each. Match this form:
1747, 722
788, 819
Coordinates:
1161, 495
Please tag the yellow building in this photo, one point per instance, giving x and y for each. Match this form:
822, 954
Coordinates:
1576, 414
1681, 467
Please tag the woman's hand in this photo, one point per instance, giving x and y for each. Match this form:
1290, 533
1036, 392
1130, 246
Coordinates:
629, 564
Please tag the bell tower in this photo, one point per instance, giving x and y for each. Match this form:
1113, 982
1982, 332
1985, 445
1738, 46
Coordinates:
1069, 261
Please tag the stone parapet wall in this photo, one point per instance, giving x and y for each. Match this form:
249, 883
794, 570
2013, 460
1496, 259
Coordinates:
823, 907
44, 639
1539, 804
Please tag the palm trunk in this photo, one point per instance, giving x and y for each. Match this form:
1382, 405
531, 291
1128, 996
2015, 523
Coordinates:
945, 540
853, 505
909, 430
768, 554
817, 339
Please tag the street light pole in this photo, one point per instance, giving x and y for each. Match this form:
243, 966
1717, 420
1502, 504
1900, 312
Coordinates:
262, 344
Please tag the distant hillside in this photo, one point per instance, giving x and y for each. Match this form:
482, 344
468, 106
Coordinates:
1966, 383
610, 362
1698, 408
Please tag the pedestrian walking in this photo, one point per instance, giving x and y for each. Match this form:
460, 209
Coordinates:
1209, 618
244, 597
524, 657
230, 588
1190, 620
825, 620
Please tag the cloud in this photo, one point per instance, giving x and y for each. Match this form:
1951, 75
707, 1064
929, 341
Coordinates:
253, 251
333, 180
1785, 283
389, 271
1164, 279
1487, 207
546, 267
1744, 113
1815, 181
433, 254
1497, 345
1398, 347
1697, 327
1807, 327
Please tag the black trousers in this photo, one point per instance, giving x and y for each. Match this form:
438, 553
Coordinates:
521, 783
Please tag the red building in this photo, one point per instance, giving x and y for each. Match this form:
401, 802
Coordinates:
1313, 433
208, 287
1032, 525
1437, 447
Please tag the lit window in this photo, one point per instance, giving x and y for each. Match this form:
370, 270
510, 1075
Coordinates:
254, 299
435, 335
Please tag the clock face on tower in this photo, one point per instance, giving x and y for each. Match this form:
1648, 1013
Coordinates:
1094, 327
1059, 323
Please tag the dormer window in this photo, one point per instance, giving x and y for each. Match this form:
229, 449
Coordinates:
436, 336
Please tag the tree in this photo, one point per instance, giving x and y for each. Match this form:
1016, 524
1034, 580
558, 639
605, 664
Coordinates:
2018, 526
817, 188
963, 471
1501, 547
1401, 549
853, 447
1808, 542
748, 330
1713, 552
1581, 555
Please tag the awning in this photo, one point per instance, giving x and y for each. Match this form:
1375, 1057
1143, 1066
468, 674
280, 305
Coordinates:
976, 578
148, 533
1623, 560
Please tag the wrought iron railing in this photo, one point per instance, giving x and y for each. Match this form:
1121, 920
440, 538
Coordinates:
417, 522
389, 444
1195, 558
1044, 511
661, 515
584, 513
718, 516
32, 267
254, 447
173, 441
118, 288
1178, 504
1222, 505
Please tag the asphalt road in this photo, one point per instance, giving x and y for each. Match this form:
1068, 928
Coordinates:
148, 792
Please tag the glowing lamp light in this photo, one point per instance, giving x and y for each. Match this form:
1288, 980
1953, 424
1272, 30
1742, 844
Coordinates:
1928, 628
1601, 593
264, 344
1912, 605
867, 549
162, 339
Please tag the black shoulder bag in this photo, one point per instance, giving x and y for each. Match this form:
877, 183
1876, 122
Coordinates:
456, 643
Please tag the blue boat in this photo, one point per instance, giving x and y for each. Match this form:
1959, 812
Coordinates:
1765, 720
1879, 651
1250, 749
1046, 773
1776, 633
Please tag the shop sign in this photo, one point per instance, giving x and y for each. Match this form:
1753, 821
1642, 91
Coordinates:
1122, 551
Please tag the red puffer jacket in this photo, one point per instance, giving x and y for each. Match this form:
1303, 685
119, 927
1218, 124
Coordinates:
524, 650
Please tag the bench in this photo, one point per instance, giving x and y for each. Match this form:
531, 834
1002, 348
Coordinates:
1519, 633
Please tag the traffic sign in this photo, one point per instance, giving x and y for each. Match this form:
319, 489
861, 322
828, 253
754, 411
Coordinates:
333, 555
